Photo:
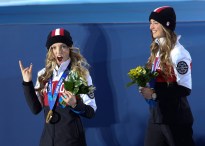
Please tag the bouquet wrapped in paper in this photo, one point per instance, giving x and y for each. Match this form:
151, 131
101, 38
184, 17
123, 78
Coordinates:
78, 85
141, 76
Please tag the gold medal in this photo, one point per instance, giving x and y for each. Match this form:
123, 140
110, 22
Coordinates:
49, 116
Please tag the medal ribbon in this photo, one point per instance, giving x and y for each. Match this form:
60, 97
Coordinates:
52, 98
156, 63
151, 102
154, 68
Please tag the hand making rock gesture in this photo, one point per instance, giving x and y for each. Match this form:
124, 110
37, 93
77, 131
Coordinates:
26, 72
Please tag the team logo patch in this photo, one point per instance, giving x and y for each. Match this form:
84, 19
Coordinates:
182, 67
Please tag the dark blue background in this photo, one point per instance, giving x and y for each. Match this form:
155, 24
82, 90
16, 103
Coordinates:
112, 45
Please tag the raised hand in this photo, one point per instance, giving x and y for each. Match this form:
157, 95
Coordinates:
26, 72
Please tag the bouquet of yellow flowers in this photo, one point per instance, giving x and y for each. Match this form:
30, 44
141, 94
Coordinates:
141, 76
78, 85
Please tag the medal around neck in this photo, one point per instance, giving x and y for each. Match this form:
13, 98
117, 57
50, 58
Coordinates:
52, 98
49, 116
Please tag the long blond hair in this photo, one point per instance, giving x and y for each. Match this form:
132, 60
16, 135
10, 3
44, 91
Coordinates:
78, 63
165, 50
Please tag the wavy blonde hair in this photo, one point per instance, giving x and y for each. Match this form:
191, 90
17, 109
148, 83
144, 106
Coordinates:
78, 63
165, 50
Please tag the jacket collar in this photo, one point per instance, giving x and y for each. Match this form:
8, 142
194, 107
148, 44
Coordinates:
61, 68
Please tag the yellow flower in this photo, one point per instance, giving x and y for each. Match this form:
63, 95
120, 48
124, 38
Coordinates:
141, 76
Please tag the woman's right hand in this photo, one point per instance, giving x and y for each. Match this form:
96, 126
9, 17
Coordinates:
26, 72
146, 92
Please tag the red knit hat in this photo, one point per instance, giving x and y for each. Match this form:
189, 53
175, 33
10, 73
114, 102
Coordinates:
165, 15
59, 35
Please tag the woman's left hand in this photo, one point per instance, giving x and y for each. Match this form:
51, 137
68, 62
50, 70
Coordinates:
146, 92
69, 98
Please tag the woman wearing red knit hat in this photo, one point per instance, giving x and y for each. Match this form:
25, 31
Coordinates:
171, 120
62, 108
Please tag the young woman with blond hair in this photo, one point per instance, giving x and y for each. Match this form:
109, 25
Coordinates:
170, 122
62, 109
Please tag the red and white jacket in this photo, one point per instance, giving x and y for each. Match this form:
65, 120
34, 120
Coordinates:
57, 73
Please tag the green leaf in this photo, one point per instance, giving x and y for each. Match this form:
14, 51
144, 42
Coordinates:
71, 78
78, 83
68, 86
130, 84
75, 91
83, 89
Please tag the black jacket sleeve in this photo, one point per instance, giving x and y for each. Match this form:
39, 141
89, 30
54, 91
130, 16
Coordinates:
172, 90
87, 110
31, 97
